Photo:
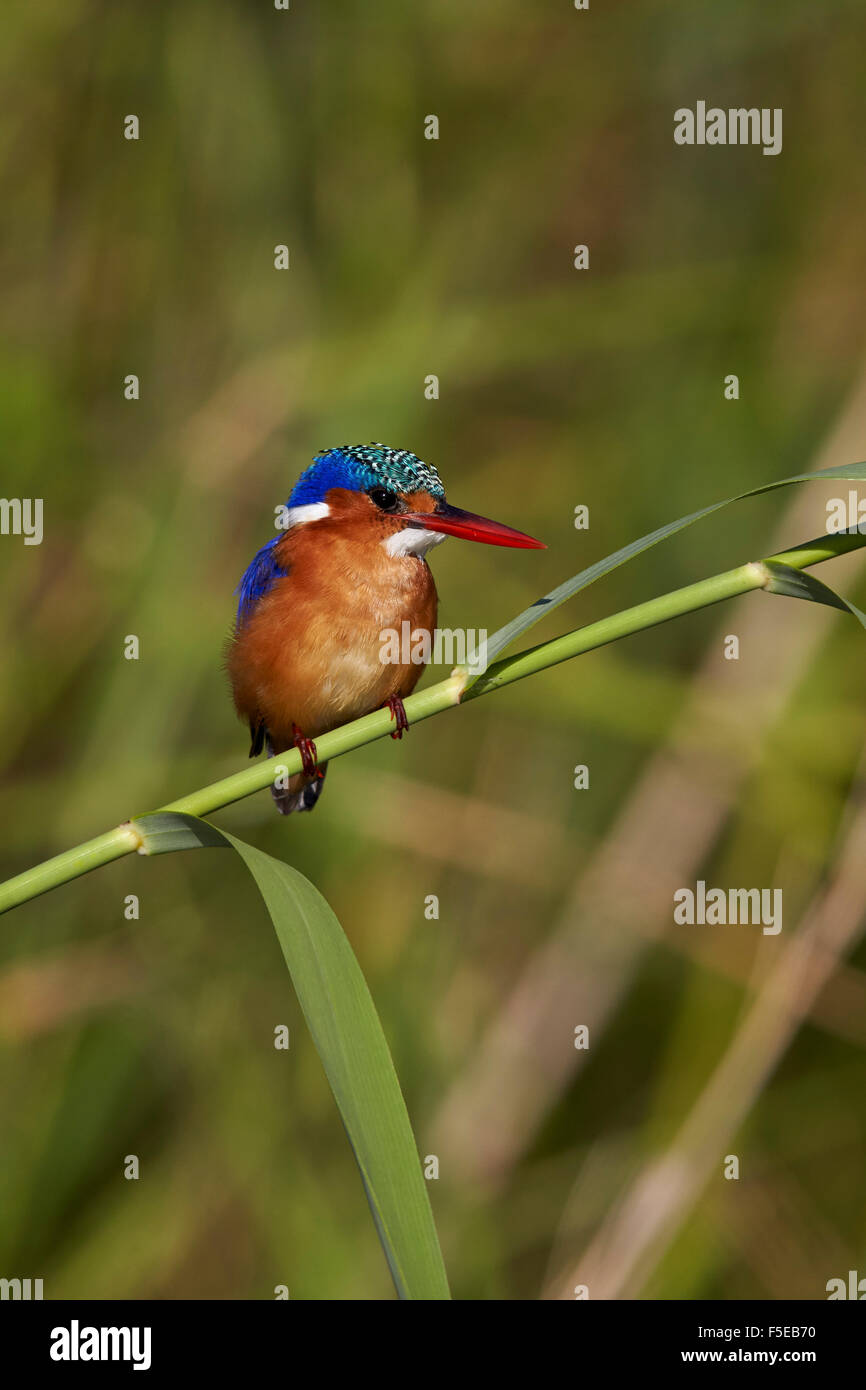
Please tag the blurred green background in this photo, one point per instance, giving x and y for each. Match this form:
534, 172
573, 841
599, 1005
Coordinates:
558, 387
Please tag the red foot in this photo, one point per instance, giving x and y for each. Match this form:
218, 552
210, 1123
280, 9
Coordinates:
307, 750
398, 712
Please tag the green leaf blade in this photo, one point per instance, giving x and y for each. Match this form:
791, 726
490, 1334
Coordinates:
793, 583
351, 1044
542, 606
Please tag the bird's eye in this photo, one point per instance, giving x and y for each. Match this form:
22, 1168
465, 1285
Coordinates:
384, 499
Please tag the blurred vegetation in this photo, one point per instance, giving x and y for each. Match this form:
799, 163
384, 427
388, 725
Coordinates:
558, 387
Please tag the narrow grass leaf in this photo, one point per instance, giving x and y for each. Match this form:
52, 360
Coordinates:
800, 584
542, 606
350, 1042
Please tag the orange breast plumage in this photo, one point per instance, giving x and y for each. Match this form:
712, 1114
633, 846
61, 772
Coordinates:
310, 652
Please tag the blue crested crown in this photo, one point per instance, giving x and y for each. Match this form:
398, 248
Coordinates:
361, 466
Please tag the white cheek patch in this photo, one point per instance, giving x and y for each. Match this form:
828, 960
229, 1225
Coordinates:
412, 540
287, 517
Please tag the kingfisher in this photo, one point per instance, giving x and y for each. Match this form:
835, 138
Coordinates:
348, 565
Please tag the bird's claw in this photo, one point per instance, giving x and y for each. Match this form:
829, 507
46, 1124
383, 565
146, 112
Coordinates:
307, 749
398, 712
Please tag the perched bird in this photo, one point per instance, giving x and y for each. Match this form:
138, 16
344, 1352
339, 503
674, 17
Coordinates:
347, 564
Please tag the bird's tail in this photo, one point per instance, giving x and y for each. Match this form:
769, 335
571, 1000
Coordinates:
300, 792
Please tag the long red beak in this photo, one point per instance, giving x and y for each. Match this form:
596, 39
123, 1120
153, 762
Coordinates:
452, 521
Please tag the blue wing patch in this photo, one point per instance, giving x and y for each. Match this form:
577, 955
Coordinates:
259, 577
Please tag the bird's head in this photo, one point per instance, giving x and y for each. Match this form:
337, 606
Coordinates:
392, 495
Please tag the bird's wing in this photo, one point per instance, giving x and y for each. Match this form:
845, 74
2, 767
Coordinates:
260, 575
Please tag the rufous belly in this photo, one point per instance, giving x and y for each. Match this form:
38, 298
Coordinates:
310, 653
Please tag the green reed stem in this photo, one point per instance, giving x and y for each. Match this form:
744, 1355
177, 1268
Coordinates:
124, 839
